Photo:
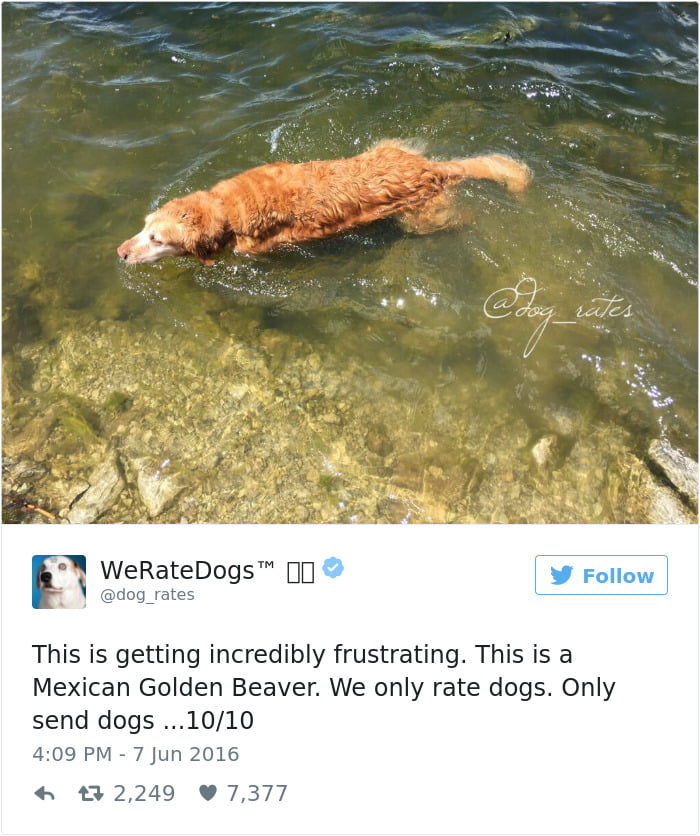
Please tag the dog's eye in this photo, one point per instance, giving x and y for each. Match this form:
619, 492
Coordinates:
62, 566
155, 240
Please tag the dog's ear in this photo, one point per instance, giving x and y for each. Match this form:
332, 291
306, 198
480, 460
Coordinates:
79, 572
38, 576
203, 225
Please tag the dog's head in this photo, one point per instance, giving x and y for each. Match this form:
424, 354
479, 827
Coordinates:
193, 225
58, 574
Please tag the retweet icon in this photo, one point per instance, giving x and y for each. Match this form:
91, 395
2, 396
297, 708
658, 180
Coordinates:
561, 575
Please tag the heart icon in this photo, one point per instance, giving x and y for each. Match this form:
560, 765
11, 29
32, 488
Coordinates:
207, 792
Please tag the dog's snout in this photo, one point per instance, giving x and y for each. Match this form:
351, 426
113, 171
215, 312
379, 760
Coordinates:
122, 252
45, 577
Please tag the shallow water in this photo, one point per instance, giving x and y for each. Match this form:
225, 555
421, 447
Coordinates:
374, 377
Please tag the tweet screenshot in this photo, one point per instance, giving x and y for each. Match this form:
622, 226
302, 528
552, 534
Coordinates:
372, 681
349, 418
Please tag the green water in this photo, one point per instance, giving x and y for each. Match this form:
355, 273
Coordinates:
368, 378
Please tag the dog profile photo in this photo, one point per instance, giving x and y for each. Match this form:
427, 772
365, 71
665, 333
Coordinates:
59, 582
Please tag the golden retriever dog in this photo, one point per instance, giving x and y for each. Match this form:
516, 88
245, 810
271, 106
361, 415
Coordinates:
286, 203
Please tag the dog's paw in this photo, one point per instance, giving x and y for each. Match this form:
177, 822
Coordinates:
519, 177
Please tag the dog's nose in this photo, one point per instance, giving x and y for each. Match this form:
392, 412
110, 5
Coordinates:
46, 577
122, 252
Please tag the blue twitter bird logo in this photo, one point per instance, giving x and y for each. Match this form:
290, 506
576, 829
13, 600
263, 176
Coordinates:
561, 575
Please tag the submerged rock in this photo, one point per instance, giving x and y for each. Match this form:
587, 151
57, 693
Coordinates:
544, 451
665, 508
18, 475
158, 487
680, 470
563, 421
34, 435
106, 483
501, 32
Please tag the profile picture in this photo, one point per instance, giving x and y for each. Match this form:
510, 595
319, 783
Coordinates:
59, 581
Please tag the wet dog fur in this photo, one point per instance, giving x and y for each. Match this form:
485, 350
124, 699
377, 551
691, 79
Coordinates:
285, 203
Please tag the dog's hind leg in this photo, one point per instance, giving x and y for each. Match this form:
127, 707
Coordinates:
437, 213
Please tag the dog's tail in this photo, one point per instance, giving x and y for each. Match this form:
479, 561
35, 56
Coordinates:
514, 175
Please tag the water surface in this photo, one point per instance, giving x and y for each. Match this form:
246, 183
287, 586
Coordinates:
373, 377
